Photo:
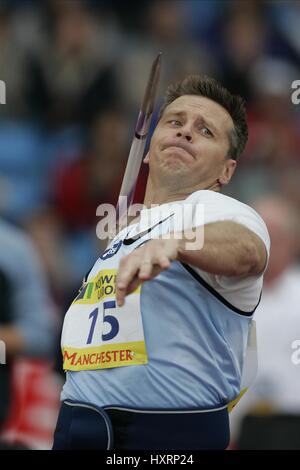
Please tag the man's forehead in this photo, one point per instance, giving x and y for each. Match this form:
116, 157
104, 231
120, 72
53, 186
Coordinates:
202, 106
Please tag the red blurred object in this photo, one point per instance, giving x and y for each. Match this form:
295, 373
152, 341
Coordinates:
35, 405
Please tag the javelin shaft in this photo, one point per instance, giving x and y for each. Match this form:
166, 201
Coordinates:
139, 141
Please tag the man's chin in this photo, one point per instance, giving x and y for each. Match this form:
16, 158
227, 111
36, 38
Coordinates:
173, 171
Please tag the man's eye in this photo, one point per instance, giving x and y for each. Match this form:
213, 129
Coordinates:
175, 122
206, 131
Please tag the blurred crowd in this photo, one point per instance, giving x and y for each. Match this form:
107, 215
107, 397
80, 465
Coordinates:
75, 73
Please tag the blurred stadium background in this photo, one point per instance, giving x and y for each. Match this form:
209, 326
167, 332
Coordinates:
75, 73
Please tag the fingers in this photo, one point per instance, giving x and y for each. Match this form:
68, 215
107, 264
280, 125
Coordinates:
145, 269
164, 262
133, 285
120, 294
128, 269
149, 268
142, 265
132, 272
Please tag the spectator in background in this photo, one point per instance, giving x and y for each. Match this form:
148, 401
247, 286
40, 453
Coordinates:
274, 137
47, 233
244, 37
95, 177
289, 188
276, 388
15, 70
164, 28
286, 19
76, 64
27, 327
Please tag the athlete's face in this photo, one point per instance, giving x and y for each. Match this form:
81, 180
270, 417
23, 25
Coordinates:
190, 144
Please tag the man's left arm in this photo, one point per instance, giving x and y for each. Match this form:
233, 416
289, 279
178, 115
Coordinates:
229, 249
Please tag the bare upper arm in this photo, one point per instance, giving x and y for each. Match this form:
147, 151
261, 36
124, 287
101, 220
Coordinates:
261, 254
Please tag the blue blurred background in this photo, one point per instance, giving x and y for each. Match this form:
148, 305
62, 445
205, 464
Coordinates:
75, 73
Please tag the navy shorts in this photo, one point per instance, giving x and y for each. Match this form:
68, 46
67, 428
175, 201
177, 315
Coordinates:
86, 426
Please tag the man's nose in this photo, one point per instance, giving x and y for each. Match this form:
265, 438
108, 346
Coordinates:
185, 133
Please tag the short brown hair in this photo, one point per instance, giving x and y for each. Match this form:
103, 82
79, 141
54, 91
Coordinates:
210, 88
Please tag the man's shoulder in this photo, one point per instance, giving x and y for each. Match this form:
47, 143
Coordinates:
206, 196
219, 207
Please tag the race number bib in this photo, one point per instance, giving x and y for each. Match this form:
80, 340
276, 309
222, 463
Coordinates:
97, 334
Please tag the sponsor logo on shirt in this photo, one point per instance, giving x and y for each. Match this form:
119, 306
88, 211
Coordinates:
111, 251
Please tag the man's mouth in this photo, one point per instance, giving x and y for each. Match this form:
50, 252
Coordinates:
180, 148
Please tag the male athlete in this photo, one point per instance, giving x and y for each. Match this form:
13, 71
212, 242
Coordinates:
154, 345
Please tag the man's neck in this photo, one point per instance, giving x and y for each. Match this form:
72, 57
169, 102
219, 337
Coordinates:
164, 194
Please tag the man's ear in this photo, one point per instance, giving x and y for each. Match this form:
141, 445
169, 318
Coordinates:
228, 170
146, 159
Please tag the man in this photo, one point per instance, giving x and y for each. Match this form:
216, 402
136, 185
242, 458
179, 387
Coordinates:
155, 354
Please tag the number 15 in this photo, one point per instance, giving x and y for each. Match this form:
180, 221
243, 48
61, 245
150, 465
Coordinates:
110, 319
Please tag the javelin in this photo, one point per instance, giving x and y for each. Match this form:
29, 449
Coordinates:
139, 141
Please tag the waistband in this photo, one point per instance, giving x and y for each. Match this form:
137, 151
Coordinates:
163, 411
141, 429
147, 411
